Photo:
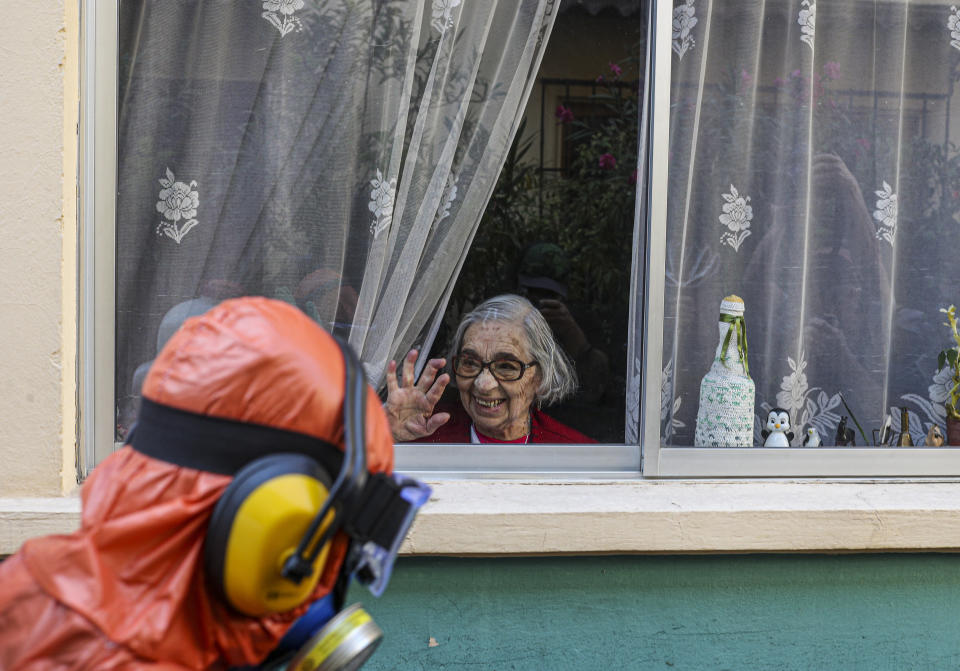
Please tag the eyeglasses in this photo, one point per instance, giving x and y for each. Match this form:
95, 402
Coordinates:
505, 370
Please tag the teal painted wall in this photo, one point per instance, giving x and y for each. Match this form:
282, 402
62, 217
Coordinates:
666, 612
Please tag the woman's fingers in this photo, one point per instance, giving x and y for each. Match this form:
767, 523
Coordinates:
409, 362
391, 378
436, 391
436, 421
421, 428
411, 405
429, 373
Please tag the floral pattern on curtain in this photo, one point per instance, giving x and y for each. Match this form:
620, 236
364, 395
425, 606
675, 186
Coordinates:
335, 154
814, 171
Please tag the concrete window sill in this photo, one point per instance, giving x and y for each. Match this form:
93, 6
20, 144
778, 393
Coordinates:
517, 517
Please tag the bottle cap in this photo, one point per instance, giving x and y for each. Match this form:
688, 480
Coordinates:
732, 305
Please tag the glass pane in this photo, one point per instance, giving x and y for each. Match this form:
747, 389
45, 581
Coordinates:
813, 173
558, 229
331, 154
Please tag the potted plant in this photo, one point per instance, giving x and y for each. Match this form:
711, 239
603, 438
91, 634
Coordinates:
951, 357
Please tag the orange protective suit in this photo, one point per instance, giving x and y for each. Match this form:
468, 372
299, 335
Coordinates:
128, 591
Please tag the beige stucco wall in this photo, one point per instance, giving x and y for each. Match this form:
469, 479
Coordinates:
38, 100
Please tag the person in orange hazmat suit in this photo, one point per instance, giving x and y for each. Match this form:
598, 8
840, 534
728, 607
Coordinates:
162, 573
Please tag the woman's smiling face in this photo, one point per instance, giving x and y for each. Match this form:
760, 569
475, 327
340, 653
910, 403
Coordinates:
498, 409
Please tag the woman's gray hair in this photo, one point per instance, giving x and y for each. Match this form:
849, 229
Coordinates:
558, 379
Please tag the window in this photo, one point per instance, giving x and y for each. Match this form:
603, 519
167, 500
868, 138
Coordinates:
809, 171
804, 165
244, 168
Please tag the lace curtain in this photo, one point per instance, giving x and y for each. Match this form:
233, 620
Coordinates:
813, 171
336, 154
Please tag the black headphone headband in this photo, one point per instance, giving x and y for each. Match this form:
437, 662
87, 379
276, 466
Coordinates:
354, 471
219, 445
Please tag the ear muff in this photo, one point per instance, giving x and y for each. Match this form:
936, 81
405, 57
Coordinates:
270, 531
256, 526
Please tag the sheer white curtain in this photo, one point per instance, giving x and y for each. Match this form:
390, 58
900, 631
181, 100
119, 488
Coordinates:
457, 107
813, 172
337, 154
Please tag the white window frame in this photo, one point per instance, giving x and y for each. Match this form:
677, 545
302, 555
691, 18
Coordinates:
98, 151
99, 48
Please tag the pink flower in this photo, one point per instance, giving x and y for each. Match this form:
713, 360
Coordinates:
745, 78
615, 69
831, 70
795, 74
600, 79
607, 162
563, 114
779, 81
633, 176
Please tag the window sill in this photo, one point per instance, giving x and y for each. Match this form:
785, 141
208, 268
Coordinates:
519, 517
644, 516
23, 518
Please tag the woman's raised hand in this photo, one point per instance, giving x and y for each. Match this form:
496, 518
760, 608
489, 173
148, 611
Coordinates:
409, 406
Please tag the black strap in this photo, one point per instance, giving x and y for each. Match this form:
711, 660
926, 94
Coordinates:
219, 445
382, 514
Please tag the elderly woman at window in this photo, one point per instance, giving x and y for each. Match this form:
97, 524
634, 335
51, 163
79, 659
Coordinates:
506, 365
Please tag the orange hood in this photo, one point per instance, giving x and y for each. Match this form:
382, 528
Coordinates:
134, 570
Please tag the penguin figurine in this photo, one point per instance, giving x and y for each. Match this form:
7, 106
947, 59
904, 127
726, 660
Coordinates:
935, 436
777, 432
812, 439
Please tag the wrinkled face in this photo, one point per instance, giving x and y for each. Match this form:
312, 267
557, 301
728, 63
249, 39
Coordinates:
498, 409
778, 421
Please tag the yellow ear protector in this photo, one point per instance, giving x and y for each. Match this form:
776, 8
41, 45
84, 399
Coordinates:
256, 526
270, 532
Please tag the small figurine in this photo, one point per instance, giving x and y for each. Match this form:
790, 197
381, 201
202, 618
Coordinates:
935, 436
777, 432
845, 436
812, 439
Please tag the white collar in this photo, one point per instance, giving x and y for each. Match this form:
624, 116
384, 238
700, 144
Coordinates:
475, 439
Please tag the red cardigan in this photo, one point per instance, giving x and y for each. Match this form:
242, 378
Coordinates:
545, 429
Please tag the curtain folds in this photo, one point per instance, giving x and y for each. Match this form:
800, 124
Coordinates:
335, 154
813, 171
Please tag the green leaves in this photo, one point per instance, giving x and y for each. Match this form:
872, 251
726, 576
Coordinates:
951, 357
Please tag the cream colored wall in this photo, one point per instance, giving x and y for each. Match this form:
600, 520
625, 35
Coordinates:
38, 100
